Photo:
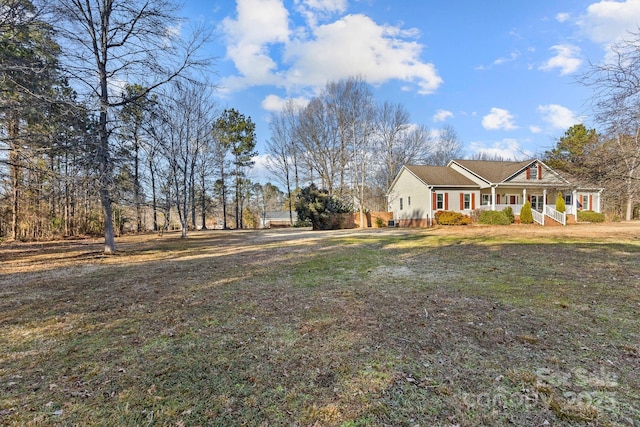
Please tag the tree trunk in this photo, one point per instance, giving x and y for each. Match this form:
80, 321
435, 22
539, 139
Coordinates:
136, 184
105, 180
203, 204
153, 195
14, 165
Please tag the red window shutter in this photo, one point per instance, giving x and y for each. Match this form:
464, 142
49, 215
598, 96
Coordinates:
529, 198
590, 202
434, 201
473, 200
446, 201
580, 202
539, 171
528, 173
461, 201
497, 199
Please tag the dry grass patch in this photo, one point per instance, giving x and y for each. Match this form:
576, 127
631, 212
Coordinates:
472, 326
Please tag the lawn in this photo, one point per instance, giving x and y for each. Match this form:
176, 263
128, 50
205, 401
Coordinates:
469, 326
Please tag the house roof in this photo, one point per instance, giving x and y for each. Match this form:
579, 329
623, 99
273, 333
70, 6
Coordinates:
440, 176
493, 171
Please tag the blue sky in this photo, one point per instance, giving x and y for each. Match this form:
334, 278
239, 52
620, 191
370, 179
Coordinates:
501, 72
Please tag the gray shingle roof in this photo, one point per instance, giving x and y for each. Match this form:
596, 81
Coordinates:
493, 171
440, 175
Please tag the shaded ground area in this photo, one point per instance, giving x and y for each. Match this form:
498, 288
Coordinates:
516, 325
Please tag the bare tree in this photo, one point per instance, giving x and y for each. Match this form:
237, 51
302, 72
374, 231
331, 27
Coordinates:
282, 149
112, 41
616, 85
398, 142
446, 147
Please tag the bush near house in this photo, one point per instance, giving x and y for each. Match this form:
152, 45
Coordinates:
508, 212
320, 208
590, 216
494, 218
526, 215
452, 218
560, 205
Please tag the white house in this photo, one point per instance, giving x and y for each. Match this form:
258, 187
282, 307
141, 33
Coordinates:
418, 192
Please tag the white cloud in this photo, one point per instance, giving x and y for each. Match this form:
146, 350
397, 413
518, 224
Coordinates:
566, 59
356, 45
607, 21
275, 104
508, 148
558, 117
266, 51
442, 115
512, 57
315, 10
498, 118
260, 23
562, 17
259, 172
535, 129
499, 61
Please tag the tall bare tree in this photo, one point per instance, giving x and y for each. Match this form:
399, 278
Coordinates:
113, 41
446, 146
399, 142
282, 150
616, 85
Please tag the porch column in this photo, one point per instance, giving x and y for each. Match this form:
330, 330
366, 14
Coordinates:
544, 200
598, 201
524, 196
574, 199
431, 209
493, 198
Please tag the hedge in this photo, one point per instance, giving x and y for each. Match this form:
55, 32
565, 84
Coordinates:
452, 218
590, 216
494, 218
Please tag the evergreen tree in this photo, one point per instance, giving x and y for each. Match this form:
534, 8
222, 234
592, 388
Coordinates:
237, 133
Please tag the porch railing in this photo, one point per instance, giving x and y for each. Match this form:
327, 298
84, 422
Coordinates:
538, 216
560, 217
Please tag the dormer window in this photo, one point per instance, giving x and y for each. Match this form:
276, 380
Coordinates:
534, 171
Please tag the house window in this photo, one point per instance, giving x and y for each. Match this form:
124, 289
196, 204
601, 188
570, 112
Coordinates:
440, 201
537, 202
585, 202
409, 201
567, 200
533, 172
401, 203
486, 199
467, 201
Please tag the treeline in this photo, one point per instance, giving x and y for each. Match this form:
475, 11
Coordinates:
609, 157
84, 150
346, 143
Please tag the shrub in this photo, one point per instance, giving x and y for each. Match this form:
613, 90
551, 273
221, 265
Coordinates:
494, 218
590, 216
526, 215
508, 212
560, 206
451, 218
318, 207
379, 222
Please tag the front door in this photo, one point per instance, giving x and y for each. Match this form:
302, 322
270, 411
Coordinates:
537, 202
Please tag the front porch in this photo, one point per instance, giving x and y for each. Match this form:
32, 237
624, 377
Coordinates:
500, 198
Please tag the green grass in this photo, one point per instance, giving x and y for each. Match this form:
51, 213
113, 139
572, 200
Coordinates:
392, 327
